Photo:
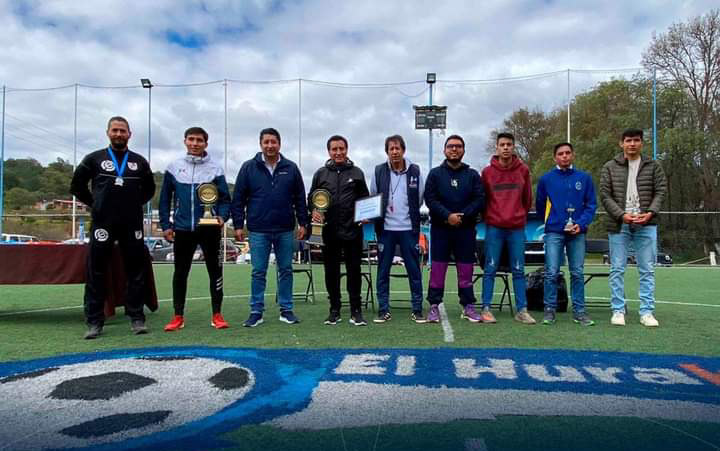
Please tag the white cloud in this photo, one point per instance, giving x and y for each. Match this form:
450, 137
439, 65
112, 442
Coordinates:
109, 43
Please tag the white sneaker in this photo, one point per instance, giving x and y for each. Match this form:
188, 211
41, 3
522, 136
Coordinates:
648, 320
618, 319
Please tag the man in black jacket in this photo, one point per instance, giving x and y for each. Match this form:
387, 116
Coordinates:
341, 234
122, 183
455, 195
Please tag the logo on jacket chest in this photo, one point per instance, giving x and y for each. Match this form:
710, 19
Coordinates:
107, 165
454, 183
578, 185
132, 166
413, 183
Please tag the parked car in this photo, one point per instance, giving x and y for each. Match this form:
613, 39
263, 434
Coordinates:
159, 248
663, 258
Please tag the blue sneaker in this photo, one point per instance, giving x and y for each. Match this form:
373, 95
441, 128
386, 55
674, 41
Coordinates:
287, 316
255, 319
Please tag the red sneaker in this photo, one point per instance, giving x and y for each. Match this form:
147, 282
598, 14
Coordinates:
218, 322
178, 322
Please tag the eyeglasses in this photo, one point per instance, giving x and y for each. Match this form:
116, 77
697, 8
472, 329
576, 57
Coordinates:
454, 146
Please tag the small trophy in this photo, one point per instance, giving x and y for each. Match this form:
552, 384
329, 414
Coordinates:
208, 194
320, 201
570, 223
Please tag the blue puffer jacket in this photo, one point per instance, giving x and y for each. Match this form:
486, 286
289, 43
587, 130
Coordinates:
179, 192
563, 189
269, 202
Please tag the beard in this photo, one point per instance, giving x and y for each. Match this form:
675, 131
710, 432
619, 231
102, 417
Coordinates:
119, 143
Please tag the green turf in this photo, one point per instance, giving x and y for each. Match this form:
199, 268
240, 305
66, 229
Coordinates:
685, 329
503, 433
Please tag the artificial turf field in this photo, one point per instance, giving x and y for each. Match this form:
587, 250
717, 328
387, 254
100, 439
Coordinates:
46, 322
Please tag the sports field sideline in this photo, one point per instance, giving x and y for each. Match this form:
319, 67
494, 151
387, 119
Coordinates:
39, 321
398, 385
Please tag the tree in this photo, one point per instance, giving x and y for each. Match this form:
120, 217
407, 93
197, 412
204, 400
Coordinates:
18, 198
689, 53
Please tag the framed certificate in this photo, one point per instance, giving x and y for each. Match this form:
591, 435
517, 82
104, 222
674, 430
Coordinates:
368, 208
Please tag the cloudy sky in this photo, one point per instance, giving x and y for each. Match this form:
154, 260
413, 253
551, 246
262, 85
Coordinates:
362, 65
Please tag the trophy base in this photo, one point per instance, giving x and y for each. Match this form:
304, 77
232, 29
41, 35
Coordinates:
316, 240
209, 222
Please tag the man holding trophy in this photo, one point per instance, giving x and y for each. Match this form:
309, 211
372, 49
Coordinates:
194, 188
566, 199
335, 188
632, 190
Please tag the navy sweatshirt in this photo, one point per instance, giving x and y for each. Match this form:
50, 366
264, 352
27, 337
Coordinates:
449, 190
565, 189
269, 202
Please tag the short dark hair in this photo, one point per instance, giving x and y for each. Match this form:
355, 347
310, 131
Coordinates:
507, 135
196, 131
118, 119
270, 131
394, 138
631, 133
336, 138
562, 144
458, 137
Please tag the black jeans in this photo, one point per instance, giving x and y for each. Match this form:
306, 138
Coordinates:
185, 244
352, 250
132, 248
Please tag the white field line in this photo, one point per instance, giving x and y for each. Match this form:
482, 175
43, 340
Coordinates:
448, 335
272, 295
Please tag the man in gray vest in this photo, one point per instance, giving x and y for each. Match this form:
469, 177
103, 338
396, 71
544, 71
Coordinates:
401, 185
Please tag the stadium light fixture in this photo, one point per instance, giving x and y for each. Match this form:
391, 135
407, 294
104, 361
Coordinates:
147, 84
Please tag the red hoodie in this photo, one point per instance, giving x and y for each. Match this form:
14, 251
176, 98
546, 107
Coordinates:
508, 193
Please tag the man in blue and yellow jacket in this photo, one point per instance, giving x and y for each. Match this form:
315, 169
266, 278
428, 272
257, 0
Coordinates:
566, 199
179, 195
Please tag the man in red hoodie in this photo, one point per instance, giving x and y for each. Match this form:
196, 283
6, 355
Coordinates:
508, 194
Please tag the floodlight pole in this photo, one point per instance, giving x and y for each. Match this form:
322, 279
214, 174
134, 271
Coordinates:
2, 159
430, 79
654, 100
568, 105
74, 201
147, 84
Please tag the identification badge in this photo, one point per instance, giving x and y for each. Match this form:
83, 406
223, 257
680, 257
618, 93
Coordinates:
119, 181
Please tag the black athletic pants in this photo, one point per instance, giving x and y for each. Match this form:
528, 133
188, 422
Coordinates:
132, 248
332, 255
208, 237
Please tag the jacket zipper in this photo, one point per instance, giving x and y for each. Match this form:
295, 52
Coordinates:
192, 199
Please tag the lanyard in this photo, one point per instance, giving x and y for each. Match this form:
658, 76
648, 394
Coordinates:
119, 168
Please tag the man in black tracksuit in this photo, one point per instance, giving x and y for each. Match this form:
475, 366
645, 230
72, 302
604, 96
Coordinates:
455, 195
341, 234
122, 183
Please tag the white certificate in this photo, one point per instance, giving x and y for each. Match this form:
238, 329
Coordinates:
368, 208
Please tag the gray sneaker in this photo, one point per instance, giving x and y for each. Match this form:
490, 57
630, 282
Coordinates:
549, 316
583, 319
94, 331
524, 317
138, 327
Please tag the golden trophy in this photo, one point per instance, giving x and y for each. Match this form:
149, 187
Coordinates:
208, 194
320, 201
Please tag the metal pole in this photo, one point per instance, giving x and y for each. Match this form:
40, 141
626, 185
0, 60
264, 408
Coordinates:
568, 105
149, 207
300, 123
225, 91
74, 211
430, 142
654, 100
2, 160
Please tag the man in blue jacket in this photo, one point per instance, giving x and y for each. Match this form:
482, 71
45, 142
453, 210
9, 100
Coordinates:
270, 194
455, 195
179, 194
566, 198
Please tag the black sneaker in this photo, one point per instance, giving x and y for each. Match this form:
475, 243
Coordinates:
287, 316
138, 327
94, 331
583, 319
382, 317
357, 319
549, 316
418, 317
333, 318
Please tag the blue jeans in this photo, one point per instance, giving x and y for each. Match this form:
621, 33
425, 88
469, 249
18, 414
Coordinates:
574, 245
644, 241
495, 239
410, 251
260, 245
